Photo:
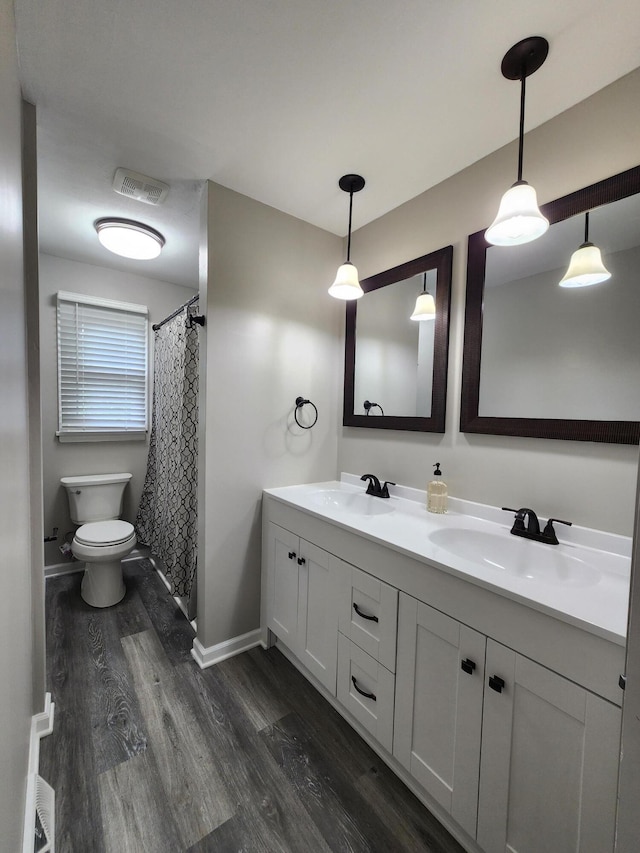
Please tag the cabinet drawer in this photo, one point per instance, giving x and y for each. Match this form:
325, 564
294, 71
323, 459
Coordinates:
369, 614
366, 689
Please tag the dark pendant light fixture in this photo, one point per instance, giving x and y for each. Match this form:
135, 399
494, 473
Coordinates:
519, 220
585, 266
425, 304
346, 284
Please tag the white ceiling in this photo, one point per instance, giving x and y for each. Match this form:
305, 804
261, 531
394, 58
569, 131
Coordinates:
277, 99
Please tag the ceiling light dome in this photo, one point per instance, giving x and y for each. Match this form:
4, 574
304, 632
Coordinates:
129, 239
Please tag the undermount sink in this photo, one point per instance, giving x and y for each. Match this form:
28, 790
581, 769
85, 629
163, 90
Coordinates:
517, 557
355, 503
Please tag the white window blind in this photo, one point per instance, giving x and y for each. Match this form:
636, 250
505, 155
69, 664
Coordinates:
102, 368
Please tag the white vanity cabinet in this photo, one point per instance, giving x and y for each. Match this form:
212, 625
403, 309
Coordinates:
503, 719
301, 588
502, 743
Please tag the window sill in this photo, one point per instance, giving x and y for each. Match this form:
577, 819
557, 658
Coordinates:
70, 437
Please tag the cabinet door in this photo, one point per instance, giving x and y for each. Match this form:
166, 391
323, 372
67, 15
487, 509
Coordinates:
283, 591
549, 764
317, 645
438, 716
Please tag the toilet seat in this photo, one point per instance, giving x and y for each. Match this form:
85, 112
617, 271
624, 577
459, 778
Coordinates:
98, 534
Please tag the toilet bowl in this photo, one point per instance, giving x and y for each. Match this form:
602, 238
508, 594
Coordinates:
102, 540
102, 545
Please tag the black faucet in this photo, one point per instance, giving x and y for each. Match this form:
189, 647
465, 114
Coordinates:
374, 488
532, 530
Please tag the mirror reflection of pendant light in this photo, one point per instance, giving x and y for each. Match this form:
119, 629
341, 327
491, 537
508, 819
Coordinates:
346, 284
425, 305
129, 239
585, 266
519, 220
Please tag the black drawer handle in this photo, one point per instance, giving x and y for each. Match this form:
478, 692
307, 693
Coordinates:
468, 666
292, 555
301, 561
362, 692
364, 615
622, 682
496, 683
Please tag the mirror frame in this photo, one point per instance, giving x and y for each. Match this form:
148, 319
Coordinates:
611, 189
441, 261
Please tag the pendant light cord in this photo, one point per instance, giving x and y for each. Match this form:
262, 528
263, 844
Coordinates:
523, 78
349, 237
586, 227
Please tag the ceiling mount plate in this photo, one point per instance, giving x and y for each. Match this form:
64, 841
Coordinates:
525, 57
351, 183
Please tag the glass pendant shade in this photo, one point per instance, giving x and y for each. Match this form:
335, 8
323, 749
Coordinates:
346, 284
519, 220
585, 268
129, 239
425, 308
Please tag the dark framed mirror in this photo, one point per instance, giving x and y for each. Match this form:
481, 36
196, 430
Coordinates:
395, 373
546, 361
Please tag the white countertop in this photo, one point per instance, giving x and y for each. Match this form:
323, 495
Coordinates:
592, 594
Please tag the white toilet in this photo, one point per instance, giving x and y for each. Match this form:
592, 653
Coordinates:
102, 540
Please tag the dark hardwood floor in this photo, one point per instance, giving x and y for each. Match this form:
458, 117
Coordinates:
150, 754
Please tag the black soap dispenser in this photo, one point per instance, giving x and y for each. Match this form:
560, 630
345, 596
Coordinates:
437, 493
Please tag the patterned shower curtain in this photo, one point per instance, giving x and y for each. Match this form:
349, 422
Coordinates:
167, 518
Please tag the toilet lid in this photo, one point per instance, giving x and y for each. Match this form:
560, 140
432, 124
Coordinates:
104, 533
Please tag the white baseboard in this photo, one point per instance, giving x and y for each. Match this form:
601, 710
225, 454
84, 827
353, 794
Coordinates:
68, 567
206, 657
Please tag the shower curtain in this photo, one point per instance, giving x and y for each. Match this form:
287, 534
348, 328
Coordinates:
167, 518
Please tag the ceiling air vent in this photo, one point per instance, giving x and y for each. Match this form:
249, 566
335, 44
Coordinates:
139, 187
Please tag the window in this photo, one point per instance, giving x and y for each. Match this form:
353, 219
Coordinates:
102, 368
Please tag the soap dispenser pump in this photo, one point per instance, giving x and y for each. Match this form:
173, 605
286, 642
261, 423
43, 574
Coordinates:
437, 492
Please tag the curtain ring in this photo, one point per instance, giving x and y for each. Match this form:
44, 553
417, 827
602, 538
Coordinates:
300, 402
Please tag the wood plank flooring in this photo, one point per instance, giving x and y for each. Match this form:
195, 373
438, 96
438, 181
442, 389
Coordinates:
150, 754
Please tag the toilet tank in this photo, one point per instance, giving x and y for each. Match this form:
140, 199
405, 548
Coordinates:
95, 497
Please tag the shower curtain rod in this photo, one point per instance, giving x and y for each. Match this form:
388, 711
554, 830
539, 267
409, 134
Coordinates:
193, 299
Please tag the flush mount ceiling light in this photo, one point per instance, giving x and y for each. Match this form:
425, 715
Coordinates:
346, 284
585, 266
519, 219
129, 239
425, 305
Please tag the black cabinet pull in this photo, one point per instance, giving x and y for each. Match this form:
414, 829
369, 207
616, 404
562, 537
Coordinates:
468, 666
622, 682
292, 555
364, 615
301, 561
496, 683
362, 692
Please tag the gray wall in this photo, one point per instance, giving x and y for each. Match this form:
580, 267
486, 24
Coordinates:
17, 656
68, 459
591, 141
272, 335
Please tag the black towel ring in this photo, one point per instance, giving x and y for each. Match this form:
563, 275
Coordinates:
300, 402
368, 406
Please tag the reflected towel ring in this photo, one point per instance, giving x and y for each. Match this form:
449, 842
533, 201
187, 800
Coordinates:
368, 406
300, 402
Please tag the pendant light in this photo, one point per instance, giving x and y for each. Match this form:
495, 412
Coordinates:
346, 284
425, 305
585, 266
519, 219
129, 239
